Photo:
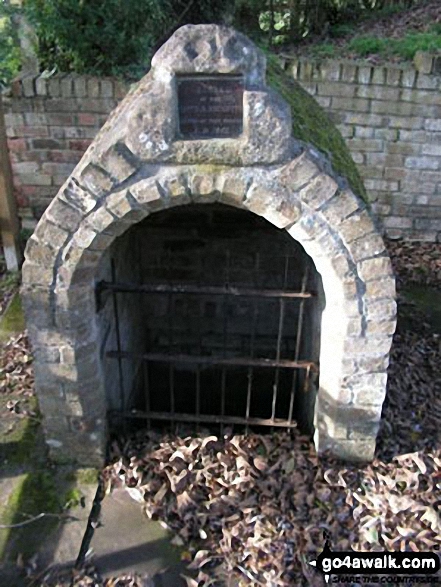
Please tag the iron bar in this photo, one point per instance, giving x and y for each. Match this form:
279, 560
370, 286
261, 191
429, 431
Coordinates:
118, 337
226, 290
279, 341
225, 334
207, 418
147, 390
205, 360
298, 342
171, 368
253, 337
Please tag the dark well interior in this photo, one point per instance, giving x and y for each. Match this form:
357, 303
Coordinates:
200, 322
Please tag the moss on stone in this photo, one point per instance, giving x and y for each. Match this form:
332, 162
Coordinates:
12, 322
84, 476
312, 125
35, 492
21, 439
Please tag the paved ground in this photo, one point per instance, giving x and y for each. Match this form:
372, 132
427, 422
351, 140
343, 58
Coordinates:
127, 541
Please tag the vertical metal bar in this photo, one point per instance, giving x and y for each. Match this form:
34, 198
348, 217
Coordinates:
298, 341
252, 339
198, 366
171, 374
147, 391
118, 337
225, 335
306, 382
279, 340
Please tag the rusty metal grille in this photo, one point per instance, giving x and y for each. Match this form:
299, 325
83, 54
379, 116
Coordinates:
189, 379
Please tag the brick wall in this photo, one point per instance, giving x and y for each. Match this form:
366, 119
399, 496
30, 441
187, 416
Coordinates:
389, 115
50, 123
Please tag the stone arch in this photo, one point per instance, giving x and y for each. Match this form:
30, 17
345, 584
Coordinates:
332, 225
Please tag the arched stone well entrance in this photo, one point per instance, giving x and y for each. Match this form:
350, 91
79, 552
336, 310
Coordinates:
229, 147
210, 315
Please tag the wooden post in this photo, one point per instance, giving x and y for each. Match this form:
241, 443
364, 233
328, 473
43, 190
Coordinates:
9, 224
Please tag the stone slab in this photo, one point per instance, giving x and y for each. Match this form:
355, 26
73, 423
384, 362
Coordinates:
62, 547
127, 541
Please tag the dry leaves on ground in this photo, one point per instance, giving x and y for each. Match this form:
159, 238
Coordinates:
256, 506
16, 372
416, 262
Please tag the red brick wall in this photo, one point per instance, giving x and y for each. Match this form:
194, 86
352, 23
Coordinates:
50, 123
389, 115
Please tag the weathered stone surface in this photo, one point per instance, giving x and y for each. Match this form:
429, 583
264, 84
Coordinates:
356, 226
139, 164
119, 162
146, 191
77, 197
318, 191
298, 172
211, 49
371, 269
63, 215
96, 180
340, 207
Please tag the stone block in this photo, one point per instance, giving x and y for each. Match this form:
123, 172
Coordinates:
423, 62
281, 210
340, 207
146, 191
373, 268
336, 89
378, 93
408, 78
63, 215
380, 288
393, 76
203, 187
119, 162
364, 74
100, 220
423, 162
366, 247
356, 226
318, 191
96, 180
356, 347
349, 73
77, 197
376, 327
406, 122
299, 172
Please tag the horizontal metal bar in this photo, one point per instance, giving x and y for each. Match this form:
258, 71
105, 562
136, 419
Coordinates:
197, 289
208, 418
203, 360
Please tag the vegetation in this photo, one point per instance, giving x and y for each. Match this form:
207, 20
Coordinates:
9, 45
115, 36
119, 38
312, 125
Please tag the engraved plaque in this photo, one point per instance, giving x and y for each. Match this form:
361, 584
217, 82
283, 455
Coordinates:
210, 107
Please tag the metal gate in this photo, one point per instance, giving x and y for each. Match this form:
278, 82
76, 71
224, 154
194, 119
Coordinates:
163, 362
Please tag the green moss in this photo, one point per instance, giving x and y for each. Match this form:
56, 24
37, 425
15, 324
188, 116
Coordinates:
21, 440
86, 476
12, 322
312, 125
35, 492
